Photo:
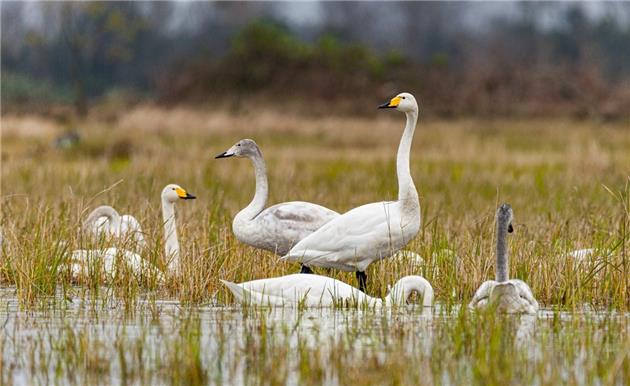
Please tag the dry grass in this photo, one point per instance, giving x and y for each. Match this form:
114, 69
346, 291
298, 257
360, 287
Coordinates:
566, 180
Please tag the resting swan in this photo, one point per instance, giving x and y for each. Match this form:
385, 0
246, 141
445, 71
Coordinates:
321, 291
82, 259
106, 220
357, 238
509, 296
280, 226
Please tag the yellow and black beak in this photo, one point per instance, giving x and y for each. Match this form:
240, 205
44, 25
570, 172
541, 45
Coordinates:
391, 104
184, 195
510, 228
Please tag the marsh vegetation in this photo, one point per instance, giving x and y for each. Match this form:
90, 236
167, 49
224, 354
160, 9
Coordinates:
566, 180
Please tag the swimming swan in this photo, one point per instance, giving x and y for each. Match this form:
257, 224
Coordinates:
321, 291
509, 296
106, 220
357, 238
82, 259
280, 226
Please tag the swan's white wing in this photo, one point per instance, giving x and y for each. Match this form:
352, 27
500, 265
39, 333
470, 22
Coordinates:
82, 261
283, 225
512, 296
356, 238
309, 290
103, 261
409, 258
129, 225
249, 297
581, 254
530, 304
100, 226
480, 299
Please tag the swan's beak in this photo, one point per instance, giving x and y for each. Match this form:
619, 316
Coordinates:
188, 196
225, 154
510, 228
391, 104
184, 195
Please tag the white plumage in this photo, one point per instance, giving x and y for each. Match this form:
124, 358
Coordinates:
355, 239
108, 261
507, 296
513, 297
280, 226
321, 291
105, 220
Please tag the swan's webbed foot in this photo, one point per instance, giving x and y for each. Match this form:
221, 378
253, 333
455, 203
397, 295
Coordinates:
362, 279
306, 269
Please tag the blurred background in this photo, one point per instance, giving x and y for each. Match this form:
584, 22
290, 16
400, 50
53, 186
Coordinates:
505, 58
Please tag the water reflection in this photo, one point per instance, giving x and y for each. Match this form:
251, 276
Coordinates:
242, 345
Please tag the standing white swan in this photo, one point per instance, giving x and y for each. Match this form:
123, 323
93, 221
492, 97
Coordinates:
508, 296
355, 239
322, 291
82, 259
280, 226
106, 220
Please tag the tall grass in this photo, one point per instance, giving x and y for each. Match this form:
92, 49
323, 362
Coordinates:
568, 182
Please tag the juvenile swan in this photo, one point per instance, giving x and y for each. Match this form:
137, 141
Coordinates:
82, 259
322, 291
509, 296
105, 220
352, 241
280, 226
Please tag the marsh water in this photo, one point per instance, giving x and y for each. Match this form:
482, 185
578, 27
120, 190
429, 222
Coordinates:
82, 341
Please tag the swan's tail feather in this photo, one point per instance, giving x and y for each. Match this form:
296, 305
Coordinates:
238, 291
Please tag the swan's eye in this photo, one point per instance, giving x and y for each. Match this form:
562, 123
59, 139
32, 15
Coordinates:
403, 97
238, 144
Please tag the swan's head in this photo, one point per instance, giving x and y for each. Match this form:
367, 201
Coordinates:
172, 193
404, 102
242, 148
504, 218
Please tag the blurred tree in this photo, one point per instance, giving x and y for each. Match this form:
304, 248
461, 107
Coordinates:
466, 55
99, 39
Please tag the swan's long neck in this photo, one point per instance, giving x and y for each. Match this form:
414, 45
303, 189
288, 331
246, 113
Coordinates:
406, 286
502, 254
262, 190
170, 235
406, 189
103, 211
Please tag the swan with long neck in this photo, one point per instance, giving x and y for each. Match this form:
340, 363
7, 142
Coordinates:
322, 291
363, 235
508, 296
82, 259
280, 226
105, 220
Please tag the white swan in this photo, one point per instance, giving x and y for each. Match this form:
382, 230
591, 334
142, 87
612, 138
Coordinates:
280, 226
352, 241
588, 255
321, 291
105, 220
82, 260
104, 262
408, 258
508, 296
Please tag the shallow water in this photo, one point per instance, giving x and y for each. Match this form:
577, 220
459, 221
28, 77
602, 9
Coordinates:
162, 342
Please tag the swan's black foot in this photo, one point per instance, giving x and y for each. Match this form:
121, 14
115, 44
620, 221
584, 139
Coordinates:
305, 269
362, 279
